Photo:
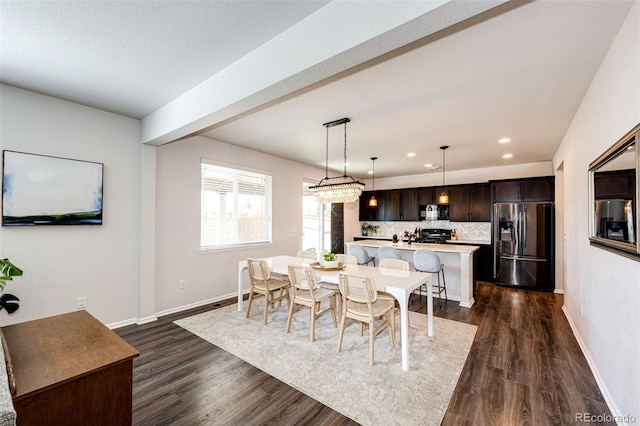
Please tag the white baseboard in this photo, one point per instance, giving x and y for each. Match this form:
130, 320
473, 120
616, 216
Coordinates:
119, 324
196, 304
468, 305
558, 291
151, 318
615, 412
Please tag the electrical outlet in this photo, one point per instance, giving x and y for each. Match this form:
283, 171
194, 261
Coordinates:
183, 284
82, 302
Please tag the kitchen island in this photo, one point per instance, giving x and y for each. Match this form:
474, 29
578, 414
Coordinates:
457, 260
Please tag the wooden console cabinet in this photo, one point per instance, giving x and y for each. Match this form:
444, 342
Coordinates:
70, 369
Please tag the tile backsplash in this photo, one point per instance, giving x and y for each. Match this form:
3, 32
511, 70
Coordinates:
465, 230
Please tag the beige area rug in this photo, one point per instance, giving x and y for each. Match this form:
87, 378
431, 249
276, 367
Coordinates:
381, 394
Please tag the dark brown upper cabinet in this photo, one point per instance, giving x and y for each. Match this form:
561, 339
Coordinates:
372, 213
519, 190
615, 184
470, 203
402, 205
430, 195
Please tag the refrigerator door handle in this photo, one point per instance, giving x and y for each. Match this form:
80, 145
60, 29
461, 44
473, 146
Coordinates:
518, 218
524, 231
525, 259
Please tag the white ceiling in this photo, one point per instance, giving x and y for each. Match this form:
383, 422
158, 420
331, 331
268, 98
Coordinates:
520, 72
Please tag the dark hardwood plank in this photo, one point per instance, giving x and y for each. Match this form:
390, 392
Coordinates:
525, 367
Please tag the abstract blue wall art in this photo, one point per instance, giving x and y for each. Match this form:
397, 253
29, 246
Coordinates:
44, 190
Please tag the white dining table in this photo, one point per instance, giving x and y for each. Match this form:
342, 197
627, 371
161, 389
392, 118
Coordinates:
398, 283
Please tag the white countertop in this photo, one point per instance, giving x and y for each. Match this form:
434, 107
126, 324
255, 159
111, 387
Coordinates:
375, 237
442, 248
461, 241
474, 242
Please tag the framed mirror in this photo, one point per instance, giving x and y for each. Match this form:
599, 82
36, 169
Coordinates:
613, 197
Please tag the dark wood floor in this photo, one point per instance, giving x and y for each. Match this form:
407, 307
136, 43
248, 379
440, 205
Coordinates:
524, 368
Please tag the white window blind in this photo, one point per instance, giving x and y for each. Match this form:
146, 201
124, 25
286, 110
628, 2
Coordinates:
235, 207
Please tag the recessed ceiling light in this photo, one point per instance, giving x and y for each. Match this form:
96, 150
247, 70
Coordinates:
411, 154
507, 156
370, 172
504, 140
428, 165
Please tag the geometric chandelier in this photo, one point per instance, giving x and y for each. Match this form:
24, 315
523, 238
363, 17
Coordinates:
347, 189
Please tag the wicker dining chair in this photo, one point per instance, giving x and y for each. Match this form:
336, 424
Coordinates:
308, 254
360, 304
306, 292
347, 259
273, 288
398, 264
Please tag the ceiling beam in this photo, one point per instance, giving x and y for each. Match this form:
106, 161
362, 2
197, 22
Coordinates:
338, 37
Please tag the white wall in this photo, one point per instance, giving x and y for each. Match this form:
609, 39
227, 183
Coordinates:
602, 289
213, 275
62, 263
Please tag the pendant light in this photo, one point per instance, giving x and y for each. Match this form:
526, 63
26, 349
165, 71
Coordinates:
443, 198
373, 202
344, 192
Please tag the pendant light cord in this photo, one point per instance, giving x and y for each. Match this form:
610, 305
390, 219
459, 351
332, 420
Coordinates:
345, 150
443, 163
326, 161
443, 148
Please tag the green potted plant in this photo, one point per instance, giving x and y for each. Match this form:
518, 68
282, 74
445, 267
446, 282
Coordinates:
368, 228
7, 271
329, 260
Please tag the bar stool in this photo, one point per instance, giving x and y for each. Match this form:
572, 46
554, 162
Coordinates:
386, 252
358, 251
425, 260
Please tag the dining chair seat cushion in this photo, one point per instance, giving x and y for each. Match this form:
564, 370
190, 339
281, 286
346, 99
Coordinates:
274, 283
319, 293
379, 308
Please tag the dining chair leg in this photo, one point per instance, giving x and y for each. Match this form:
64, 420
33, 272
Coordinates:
392, 327
249, 304
313, 321
341, 333
332, 306
371, 341
266, 306
290, 317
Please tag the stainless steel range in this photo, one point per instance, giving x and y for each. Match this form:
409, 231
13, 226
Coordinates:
434, 235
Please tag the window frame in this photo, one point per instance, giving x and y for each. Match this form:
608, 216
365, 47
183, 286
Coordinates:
237, 172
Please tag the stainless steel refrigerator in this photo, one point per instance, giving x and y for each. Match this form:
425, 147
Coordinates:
523, 245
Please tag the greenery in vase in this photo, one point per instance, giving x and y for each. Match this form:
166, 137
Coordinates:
329, 257
369, 227
7, 271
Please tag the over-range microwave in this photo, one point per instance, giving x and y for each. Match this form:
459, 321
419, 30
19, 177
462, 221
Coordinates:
429, 212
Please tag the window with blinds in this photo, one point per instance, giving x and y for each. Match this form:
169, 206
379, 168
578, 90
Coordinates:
235, 207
